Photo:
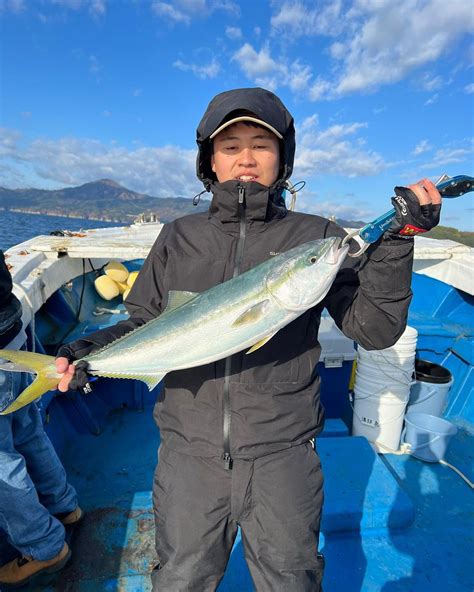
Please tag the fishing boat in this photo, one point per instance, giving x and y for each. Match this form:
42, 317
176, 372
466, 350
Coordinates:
392, 522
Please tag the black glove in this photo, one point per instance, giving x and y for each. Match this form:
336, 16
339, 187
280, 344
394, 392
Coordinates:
412, 218
75, 350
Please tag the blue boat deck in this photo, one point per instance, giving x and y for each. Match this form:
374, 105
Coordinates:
391, 523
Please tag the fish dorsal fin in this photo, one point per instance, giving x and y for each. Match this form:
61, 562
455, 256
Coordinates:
259, 344
252, 314
177, 298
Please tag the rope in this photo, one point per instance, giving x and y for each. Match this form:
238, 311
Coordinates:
456, 470
405, 448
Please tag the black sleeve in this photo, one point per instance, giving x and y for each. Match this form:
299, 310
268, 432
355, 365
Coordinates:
10, 307
144, 303
370, 296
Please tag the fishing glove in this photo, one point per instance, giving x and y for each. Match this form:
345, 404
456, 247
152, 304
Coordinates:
74, 351
411, 217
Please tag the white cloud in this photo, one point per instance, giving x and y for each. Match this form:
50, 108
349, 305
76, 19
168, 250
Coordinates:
232, 8
9, 140
321, 89
255, 63
422, 147
15, 6
392, 39
430, 83
298, 19
73, 161
308, 202
210, 70
432, 100
183, 11
450, 155
469, 89
233, 32
336, 150
378, 41
271, 73
97, 7
170, 13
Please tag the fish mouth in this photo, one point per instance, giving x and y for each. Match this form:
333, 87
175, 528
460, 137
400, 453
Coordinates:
337, 251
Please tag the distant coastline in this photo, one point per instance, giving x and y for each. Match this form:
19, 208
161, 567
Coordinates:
105, 201
58, 213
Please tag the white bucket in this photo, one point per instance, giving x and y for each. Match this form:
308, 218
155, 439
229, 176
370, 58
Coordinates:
379, 417
382, 389
380, 372
379, 387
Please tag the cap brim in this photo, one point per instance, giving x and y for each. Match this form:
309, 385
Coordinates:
246, 118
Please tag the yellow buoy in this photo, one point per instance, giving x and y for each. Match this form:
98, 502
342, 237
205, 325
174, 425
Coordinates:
122, 286
131, 278
106, 287
117, 271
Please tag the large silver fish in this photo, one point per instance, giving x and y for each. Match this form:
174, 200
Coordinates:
195, 329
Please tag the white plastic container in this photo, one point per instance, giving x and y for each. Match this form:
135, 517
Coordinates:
335, 367
381, 391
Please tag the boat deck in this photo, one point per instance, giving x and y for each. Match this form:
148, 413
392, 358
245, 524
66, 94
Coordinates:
391, 523
431, 548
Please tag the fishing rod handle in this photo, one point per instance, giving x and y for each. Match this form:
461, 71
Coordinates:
447, 186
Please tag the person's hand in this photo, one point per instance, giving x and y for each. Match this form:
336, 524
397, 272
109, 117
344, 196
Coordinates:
75, 377
64, 367
417, 209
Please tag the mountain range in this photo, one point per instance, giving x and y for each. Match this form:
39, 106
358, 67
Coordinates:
104, 200
99, 200
109, 201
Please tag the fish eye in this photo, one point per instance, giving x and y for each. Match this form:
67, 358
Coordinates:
313, 259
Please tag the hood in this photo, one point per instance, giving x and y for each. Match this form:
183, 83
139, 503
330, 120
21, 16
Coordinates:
266, 106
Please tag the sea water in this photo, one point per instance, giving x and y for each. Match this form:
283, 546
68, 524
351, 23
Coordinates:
16, 227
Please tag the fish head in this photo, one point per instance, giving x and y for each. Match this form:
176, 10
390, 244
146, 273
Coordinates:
304, 275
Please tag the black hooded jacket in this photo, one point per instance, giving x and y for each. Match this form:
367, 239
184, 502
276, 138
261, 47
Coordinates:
250, 405
10, 307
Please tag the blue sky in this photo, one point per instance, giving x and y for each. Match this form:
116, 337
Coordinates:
382, 92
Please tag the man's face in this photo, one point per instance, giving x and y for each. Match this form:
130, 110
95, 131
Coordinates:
246, 152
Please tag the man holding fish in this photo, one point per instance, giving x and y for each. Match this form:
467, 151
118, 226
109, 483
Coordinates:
236, 295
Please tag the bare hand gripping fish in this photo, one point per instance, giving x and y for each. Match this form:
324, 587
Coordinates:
196, 329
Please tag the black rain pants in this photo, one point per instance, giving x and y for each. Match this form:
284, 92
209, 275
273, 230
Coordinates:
276, 500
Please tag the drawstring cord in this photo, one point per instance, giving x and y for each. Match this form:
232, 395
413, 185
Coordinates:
197, 197
293, 189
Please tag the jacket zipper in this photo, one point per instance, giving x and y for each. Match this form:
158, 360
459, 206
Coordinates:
228, 362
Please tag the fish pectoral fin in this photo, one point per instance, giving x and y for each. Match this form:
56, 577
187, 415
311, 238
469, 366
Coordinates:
252, 314
259, 344
177, 298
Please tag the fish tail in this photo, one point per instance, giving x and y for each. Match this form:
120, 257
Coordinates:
46, 376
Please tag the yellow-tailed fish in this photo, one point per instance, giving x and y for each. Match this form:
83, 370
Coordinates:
195, 329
